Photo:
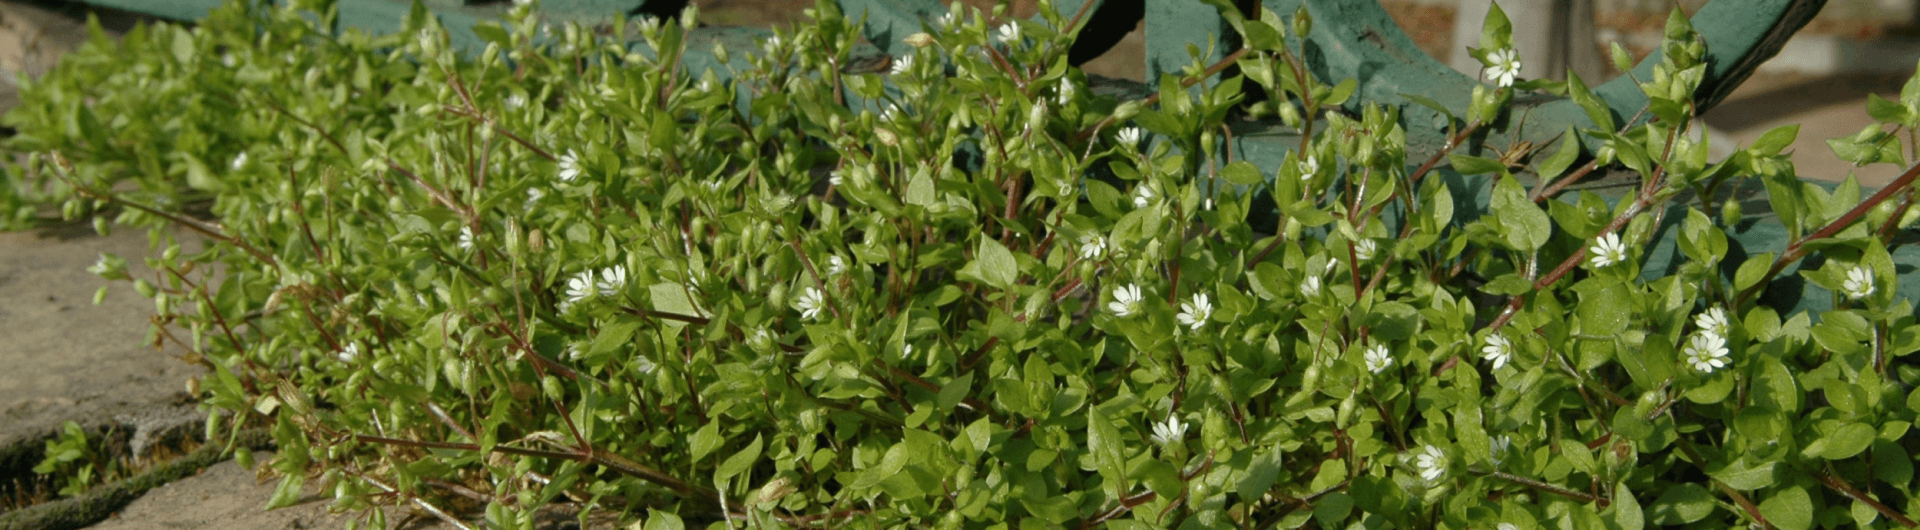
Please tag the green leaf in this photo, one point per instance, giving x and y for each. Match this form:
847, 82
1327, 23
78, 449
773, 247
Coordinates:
1741, 477
1789, 509
1510, 284
705, 440
1474, 165
1243, 173
1681, 504
1525, 226
955, 391
1331, 509
1563, 157
1892, 463
1752, 271
661, 520
491, 31
613, 337
1261, 36
1605, 305
1775, 139
1885, 111
1626, 509
1496, 31
287, 493
1109, 451
920, 189
1849, 440
1261, 473
1773, 386
1597, 110
992, 264
1341, 92
739, 462
1622, 61
671, 297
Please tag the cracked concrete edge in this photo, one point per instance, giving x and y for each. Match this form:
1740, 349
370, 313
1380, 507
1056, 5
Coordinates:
102, 501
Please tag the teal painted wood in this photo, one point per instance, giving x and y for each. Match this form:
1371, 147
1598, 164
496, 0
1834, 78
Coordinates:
1357, 39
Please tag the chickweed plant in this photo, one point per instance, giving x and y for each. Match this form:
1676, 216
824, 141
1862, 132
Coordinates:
964, 290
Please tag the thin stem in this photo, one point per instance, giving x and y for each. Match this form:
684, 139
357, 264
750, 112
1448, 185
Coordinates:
1216, 68
1840, 485
1797, 250
1550, 488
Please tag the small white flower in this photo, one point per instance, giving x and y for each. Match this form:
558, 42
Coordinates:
1859, 283
1194, 314
1310, 287
1309, 167
1169, 433
1498, 350
1504, 65
1126, 300
902, 64
1142, 195
945, 20
348, 353
1363, 249
228, 60
644, 365
1093, 246
773, 44
1432, 463
515, 101
466, 239
906, 351
1131, 136
1065, 94
533, 197
573, 352
836, 266
706, 85
1008, 33
1499, 445
1506, 526
239, 161
1378, 358
1713, 320
579, 287
1608, 250
836, 179
613, 280
569, 166
810, 303
1707, 352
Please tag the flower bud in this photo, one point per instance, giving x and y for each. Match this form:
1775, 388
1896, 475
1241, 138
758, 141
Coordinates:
777, 295
1126, 111
1290, 115
919, 40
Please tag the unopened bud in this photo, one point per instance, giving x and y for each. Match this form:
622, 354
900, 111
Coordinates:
919, 40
